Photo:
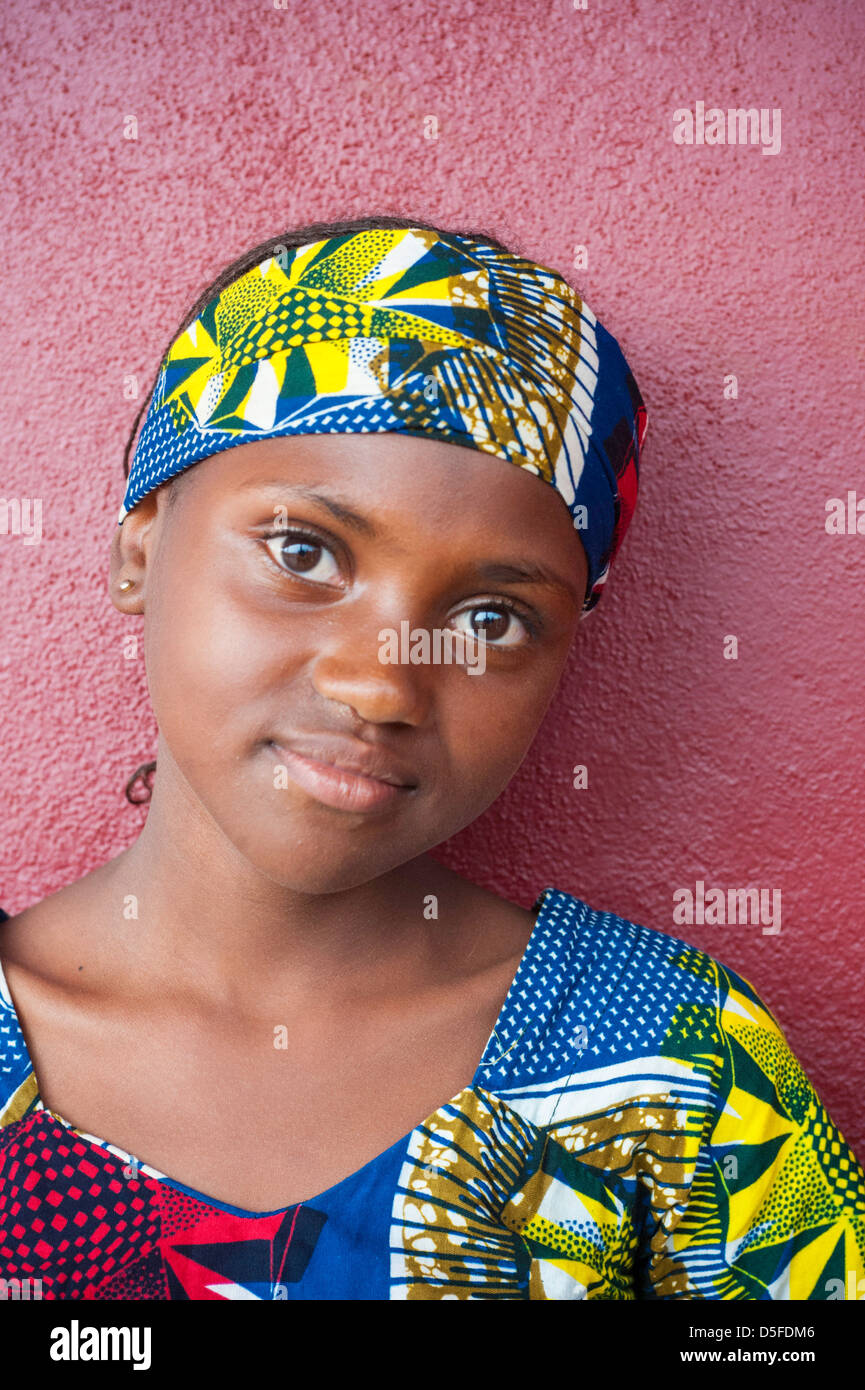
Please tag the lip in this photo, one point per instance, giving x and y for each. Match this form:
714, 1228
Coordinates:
344, 773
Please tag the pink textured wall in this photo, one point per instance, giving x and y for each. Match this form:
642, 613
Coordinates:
555, 128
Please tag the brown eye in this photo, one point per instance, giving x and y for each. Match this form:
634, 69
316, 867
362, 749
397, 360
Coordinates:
496, 623
300, 555
303, 554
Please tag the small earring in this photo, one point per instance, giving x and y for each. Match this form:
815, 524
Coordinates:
125, 584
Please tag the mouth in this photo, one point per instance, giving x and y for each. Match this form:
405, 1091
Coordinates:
344, 788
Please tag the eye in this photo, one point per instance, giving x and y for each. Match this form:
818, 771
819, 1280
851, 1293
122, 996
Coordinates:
303, 554
488, 624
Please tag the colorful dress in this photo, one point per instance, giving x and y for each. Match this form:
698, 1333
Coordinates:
637, 1128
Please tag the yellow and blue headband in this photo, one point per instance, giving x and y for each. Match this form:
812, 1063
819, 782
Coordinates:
408, 331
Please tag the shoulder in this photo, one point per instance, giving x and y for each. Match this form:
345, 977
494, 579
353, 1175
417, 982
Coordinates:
36, 970
658, 1085
45, 939
616, 957
616, 1022
17, 1079
639, 991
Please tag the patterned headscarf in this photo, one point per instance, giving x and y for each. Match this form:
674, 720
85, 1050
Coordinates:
409, 331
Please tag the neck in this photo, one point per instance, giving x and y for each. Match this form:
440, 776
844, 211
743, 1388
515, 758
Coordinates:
201, 916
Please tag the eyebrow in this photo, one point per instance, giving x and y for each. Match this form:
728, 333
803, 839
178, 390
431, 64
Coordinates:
494, 572
337, 509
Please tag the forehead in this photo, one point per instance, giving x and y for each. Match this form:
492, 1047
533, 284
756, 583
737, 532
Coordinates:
397, 480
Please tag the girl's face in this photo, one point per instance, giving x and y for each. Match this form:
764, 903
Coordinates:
266, 580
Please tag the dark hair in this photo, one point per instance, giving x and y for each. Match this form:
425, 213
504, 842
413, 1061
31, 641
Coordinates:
289, 241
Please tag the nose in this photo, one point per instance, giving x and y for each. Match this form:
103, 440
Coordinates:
350, 673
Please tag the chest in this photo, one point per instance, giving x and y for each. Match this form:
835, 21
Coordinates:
261, 1116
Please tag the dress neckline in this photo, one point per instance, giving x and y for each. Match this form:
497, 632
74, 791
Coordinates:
540, 907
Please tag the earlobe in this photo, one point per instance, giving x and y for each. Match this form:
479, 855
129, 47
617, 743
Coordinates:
126, 595
128, 563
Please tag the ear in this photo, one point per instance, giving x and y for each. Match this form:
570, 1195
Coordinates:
131, 547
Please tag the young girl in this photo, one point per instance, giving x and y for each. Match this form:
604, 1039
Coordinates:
276, 1050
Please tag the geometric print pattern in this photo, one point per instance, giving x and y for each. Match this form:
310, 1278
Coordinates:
637, 1128
683, 1153
404, 330
72, 1219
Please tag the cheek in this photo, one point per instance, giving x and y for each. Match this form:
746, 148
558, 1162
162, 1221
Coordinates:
489, 729
206, 659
